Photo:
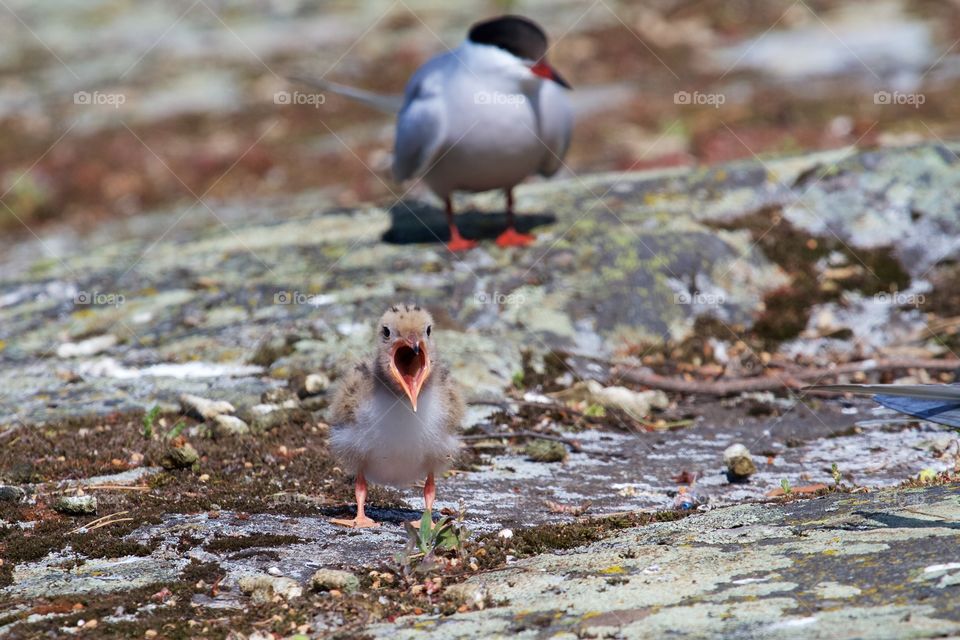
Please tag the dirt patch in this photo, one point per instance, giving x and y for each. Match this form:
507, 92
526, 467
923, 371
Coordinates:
162, 607
287, 470
238, 543
799, 254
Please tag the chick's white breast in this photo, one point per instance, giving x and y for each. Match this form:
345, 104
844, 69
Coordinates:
393, 445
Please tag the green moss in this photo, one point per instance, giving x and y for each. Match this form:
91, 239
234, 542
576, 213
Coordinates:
236, 543
546, 538
546, 451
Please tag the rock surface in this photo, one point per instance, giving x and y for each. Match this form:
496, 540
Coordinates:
663, 263
658, 253
760, 571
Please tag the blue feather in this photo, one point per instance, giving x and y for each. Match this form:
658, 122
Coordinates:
939, 411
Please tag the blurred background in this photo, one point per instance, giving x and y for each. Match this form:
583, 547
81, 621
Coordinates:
115, 108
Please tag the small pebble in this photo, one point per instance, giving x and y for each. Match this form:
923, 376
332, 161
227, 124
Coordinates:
179, 457
739, 463
204, 408
546, 451
225, 426
465, 593
275, 571
687, 500
506, 534
76, 505
266, 588
315, 383
334, 580
10, 493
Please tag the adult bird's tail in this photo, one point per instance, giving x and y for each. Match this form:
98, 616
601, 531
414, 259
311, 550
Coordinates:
938, 403
380, 101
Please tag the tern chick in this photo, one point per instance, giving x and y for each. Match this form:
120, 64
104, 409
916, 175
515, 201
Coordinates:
395, 418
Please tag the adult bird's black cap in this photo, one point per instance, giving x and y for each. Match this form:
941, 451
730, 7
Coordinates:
520, 36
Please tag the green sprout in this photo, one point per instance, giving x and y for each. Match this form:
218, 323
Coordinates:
785, 485
595, 411
149, 420
430, 540
176, 430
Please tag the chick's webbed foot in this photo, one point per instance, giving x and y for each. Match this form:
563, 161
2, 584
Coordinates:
416, 524
360, 522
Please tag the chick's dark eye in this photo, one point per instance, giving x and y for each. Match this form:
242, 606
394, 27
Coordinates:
385, 331
429, 327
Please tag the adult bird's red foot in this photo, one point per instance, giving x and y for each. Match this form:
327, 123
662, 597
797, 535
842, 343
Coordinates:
395, 417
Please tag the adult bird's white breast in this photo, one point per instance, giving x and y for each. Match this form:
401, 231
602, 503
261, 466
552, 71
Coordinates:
476, 119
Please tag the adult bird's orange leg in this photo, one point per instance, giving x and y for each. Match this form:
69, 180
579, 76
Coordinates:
361, 521
457, 242
511, 237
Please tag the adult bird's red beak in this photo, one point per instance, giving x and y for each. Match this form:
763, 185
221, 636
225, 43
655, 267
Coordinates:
410, 367
543, 69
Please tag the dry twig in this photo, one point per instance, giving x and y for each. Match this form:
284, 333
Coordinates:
788, 379
102, 521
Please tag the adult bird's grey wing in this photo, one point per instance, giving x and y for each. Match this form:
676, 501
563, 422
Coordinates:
556, 126
381, 101
422, 122
938, 403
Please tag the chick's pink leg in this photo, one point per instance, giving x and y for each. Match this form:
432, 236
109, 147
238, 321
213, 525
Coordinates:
429, 492
361, 521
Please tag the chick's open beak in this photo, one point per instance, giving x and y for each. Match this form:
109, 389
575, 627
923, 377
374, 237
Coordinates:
410, 367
